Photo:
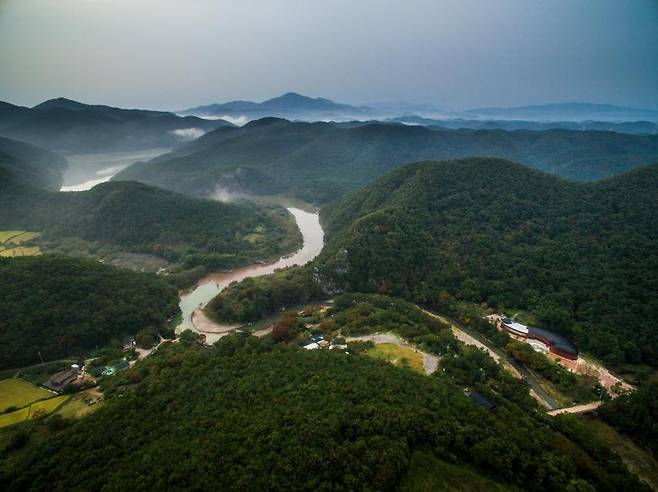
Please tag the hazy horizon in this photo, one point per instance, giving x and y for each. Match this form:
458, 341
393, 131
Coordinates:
171, 54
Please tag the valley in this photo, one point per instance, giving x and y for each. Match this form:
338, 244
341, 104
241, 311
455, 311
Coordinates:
328, 246
212, 284
85, 171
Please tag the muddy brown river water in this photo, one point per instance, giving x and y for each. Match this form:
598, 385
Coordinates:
214, 283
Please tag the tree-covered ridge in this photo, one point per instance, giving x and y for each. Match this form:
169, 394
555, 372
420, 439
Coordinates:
579, 256
318, 162
31, 165
249, 416
54, 306
195, 233
636, 415
63, 125
255, 298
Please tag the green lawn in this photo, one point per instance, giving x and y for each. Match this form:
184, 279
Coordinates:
77, 405
398, 356
17, 393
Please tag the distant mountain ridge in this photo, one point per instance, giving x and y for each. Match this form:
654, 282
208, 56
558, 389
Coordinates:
574, 111
630, 127
290, 105
319, 162
68, 126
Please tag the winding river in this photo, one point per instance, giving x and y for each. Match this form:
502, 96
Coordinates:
214, 283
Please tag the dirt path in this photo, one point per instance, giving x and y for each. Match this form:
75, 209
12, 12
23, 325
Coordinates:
263, 332
203, 324
608, 380
430, 361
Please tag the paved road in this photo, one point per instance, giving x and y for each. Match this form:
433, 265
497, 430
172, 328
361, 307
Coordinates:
514, 367
18, 371
584, 408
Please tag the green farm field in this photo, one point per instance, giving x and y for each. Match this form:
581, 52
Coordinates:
17, 393
11, 241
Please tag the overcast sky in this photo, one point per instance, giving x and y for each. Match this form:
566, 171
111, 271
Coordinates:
172, 54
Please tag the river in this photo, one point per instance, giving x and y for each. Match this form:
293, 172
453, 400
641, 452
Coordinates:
87, 170
214, 283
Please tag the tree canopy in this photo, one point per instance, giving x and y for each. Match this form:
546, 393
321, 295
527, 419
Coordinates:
249, 415
581, 257
53, 306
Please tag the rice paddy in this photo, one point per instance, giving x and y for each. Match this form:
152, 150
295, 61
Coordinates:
17, 393
11, 243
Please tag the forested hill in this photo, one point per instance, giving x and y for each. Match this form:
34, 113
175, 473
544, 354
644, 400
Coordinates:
318, 162
143, 219
249, 416
70, 126
32, 165
581, 257
55, 307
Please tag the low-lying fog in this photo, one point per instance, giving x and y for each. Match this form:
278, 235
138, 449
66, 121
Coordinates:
87, 170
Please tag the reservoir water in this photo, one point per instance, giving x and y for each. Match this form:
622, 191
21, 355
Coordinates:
214, 283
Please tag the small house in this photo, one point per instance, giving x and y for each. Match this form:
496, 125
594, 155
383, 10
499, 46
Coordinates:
58, 381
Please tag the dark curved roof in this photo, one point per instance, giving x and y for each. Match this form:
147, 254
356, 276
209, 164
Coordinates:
558, 341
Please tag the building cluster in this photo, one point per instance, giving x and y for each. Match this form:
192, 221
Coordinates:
540, 339
318, 342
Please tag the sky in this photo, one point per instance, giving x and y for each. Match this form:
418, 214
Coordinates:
454, 54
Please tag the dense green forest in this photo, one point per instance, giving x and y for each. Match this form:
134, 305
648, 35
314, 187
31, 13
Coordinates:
636, 415
53, 307
581, 257
248, 415
31, 165
254, 298
198, 235
318, 162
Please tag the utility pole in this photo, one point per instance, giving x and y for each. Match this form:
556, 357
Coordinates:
41, 357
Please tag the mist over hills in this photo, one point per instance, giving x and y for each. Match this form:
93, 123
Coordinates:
32, 165
631, 127
574, 111
294, 106
290, 105
67, 126
137, 218
318, 162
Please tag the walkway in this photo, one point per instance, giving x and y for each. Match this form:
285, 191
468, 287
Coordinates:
576, 409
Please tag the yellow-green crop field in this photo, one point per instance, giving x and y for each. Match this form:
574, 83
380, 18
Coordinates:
29, 400
10, 242
26, 413
398, 356
14, 417
18, 393
21, 251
